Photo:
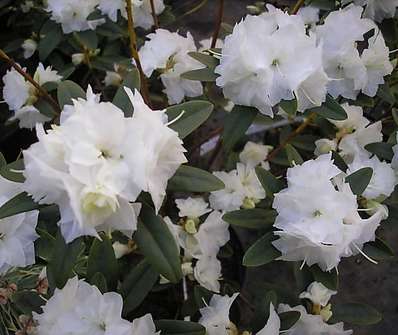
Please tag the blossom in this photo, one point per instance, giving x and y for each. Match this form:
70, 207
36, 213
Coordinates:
207, 272
215, 316
378, 10
167, 52
257, 70
73, 14
312, 324
318, 294
112, 78
21, 95
383, 179
242, 188
144, 325
142, 11
29, 46
254, 154
192, 207
80, 308
17, 232
309, 15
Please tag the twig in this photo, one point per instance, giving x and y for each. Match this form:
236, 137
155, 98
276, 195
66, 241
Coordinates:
296, 132
297, 6
26, 75
134, 52
155, 17
218, 24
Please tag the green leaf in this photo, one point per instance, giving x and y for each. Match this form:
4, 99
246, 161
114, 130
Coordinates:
289, 106
50, 37
331, 109
339, 161
382, 150
102, 259
378, 250
359, 180
121, 99
28, 301
88, 38
255, 218
357, 314
99, 280
261, 252
158, 245
202, 296
178, 327
236, 124
208, 60
12, 171
293, 157
385, 93
21, 203
45, 108
137, 285
328, 279
44, 245
68, 90
270, 183
288, 319
304, 142
63, 260
190, 116
191, 179
205, 75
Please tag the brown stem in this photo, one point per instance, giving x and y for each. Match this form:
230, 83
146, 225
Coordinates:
155, 17
297, 6
292, 135
134, 52
26, 75
217, 28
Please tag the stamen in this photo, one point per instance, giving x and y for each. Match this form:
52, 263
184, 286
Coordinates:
364, 255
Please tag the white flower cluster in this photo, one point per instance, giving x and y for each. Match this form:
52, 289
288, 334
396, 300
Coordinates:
377, 10
17, 232
97, 162
80, 308
257, 69
167, 52
74, 15
20, 95
200, 240
318, 218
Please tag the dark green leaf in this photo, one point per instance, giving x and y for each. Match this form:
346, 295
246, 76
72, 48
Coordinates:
50, 37
339, 161
121, 99
270, 183
137, 285
261, 252
191, 179
68, 90
205, 75
236, 124
328, 279
210, 61
194, 114
13, 171
288, 319
19, 204
357, 314
378, 250
386, 94
359, 180
255, 218
45, 108
331, 109
28, 301
88, 38
158, 245
202, 296
44, 245
99, 280
382, 150
293, 157
304, 142
177, 327
289, 106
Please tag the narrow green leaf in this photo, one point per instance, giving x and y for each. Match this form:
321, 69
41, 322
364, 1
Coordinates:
357, 314
382, 150
236, 124
378, 250
385, 93
359, 180
137, 285
331, 109
205, 75
270, 183
191, 179
157, 244
102, 259
328, 279
208, 60
261, 252
288, 319
178, 327
255, 218
68, 90
21, 203
190, 116
13, 171
121, 99
293, 155
50, 37
339, 161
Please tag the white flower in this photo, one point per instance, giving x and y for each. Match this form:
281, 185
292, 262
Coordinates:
215, 317
383, 179
378, 10
77, 58
355, 119
142, 11
80, 308
73, 14
29, 46
309, 324
269, 58
17, 232
192, 207
273, 325
240, 185
144, 326
112, 78
318, 294
168, 52
254, 154
207, 272
20, 95
309, 15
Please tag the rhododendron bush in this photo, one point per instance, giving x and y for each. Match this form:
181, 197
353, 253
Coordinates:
145, 156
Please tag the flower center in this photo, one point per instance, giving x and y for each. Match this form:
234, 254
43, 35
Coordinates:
317, 213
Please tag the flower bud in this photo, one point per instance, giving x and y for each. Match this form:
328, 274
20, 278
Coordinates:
77, 58
29, 46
